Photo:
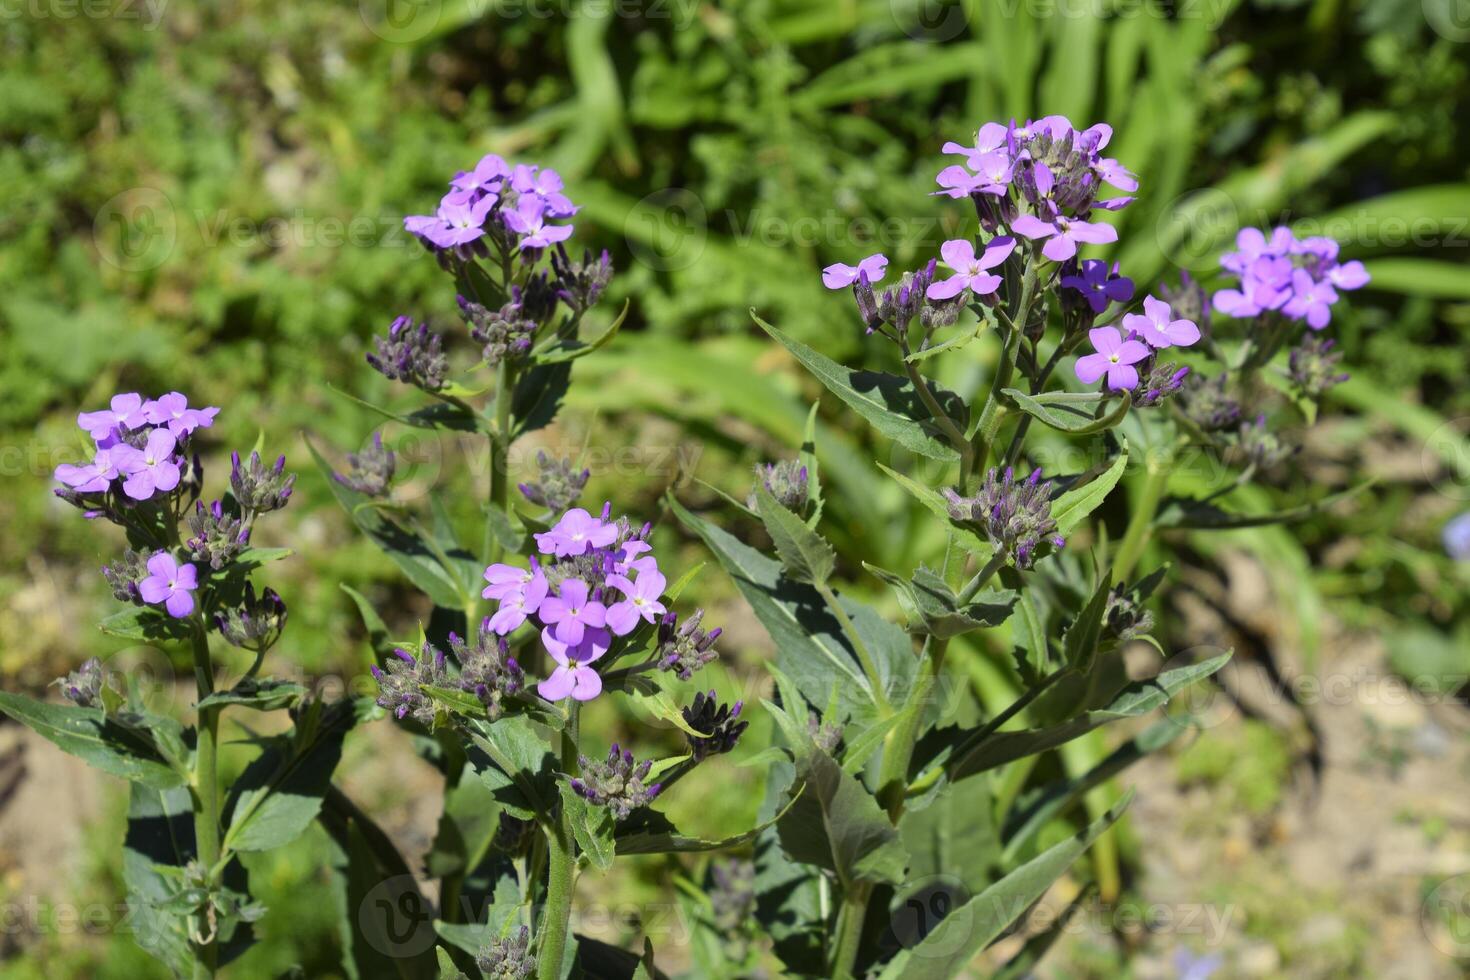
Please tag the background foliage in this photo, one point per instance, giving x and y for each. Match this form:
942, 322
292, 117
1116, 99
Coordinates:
209, 197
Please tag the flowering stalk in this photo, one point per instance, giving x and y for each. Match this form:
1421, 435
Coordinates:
206, 781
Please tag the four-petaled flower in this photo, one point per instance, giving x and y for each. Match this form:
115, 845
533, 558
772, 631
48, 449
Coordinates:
840, 276
572, 611
1062, 234
459, 220
543, 185
576, 532
170, 583
641, 602
1158, 327
125, 411
529, 221
515, 606
172, 410
1311, 300
969, 268
1099, 286
1115, 357
573, 677
149, 469
93, 477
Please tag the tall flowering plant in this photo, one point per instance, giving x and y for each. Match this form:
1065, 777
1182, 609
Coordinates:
909, 821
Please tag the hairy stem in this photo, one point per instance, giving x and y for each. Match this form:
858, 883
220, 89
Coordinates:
849, 931
561, 869
206, 783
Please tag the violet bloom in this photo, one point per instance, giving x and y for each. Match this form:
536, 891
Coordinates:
1099, 286
1114, 173
575, 533
1349, 275
1310, 300
641, 602
959, 255
93, 477
1063, 234
529, 221
457, 222
1159, 328
839, 275
572, 611
545, 186
517, 606
989, 137
125, 411
170, 583
573, 677
485, 177
149, 469
505, 580
1456, 537
957, 182
1115, 357
172, 410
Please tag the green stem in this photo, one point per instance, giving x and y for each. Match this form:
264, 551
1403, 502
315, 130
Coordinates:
1135, 538
990, 414
898, 752
505, 379
870, 669
937, 412
206, 783
849, 931
561, 870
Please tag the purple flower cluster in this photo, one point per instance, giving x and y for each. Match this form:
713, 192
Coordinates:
620, 783
593, 580
513, 206
1015, 516
140, 447
1299, 277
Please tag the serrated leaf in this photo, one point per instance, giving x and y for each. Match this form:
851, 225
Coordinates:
804, 552
835, 823
104, 743
259, 694
939, 507
648, 831
934, 609
1080, 641
1070, 412
144, 623
571, 349
1070, 508
887, 401
517, 765
592, 826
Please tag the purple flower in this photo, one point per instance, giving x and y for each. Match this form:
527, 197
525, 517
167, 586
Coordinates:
840, 276
1311, 300
93, 477
572, 676
572, 611
576, 532
529, 221
959, 255
517, 605
457, 222
1158, 326
1112, 172
989, 137
505, 580
1456, 536
172, 410
641, 602
1063, 234
957, 182
125, 411
486, 176
544, 186
1099, 286
149, 469
170, 583
1115, 357
1349, 275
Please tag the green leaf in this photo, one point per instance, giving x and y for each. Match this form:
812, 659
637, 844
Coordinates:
1138, 698
804, 552
467, 827
104, 743
1069, 509
378, 638
1070, 412
808, 456
518, 765
939, 507
280, 793
979, 922
810, 646
955, 838
835, 823
887, 401
571, 349
411, 553
592, 826
537, 397
440, 415
160, 834
144, 624
648, 831
263, 694
1203, 515
1080, 641
934, 609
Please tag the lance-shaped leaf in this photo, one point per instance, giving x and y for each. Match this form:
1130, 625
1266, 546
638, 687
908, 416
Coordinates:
1069, 411
1080, 642
1138, 698
280, 793
417, 557
805, 553
933, 608
516, 763
934, 501
109, 744
538, 396
647, 831
570, 349
144, 624
887, 401
443, 416
258, 694
1070, 508
979, 922
836, 824
592, 826
810, 646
